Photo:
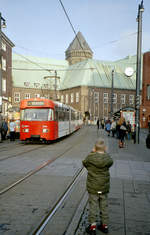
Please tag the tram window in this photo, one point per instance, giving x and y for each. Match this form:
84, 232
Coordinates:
56, 115
37, 114
67, 115
61, 116
72, 115
51, 115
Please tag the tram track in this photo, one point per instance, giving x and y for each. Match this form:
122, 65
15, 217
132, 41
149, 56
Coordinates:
21, 153
37, 169
5, 148
59, 203
46, 202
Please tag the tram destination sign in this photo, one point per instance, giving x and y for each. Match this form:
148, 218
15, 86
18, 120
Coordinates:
35, 103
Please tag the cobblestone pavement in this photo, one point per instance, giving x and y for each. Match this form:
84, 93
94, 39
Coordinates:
129, 197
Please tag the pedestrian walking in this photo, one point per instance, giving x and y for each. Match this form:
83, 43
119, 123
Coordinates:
108, 126
122, 132
117, 129
97, 164
128, 126
98, 123
102, 123
113, 128
12, 128
4, 129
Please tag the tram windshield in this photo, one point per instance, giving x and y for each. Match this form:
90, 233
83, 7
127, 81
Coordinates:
37, 115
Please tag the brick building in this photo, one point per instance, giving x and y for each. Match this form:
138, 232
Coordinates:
6, 58
145, 107
79, 81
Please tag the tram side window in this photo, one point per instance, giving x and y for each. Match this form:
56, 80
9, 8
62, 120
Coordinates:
72, 115
60, 115
56, 115
51, 115
66, 115
76, 116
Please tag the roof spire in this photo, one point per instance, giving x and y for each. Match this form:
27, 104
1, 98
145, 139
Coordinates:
78, 50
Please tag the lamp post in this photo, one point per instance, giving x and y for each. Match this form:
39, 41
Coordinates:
2, 25
112, 94
138, 70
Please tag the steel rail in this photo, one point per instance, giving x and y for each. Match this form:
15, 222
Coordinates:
48, 217
38, 168
15, 155
34, 171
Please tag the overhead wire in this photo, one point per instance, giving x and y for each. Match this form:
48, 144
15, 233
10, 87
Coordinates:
76, 33
49, 70
103, 44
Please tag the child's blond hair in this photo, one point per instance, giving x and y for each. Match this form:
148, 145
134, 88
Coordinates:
100, 145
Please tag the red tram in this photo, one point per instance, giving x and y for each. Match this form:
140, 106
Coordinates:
47, 120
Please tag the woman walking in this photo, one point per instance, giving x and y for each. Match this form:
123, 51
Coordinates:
122, 132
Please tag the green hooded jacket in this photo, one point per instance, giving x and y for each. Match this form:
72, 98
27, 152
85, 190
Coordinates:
98, 178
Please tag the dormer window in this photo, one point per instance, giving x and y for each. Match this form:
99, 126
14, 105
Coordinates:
36, 85
26, 84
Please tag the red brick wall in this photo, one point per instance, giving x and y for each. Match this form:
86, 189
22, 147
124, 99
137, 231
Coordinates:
145, 107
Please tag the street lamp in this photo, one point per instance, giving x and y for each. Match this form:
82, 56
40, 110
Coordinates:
112, 93
2, 25
138, 70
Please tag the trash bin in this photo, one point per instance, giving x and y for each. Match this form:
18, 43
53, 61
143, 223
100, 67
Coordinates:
148, 141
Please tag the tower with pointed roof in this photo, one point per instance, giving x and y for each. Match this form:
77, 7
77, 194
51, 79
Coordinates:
78, 50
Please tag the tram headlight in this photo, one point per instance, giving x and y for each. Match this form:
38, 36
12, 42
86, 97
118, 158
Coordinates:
45, 130
26, 130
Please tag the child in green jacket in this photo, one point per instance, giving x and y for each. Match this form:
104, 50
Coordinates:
97, 164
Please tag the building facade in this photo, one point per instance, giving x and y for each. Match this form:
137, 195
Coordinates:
6, 69
145, 107
81, 81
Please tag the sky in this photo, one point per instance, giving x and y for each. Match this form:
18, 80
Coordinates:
41, 28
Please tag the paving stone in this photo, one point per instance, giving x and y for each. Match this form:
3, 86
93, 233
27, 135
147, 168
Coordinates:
129, 197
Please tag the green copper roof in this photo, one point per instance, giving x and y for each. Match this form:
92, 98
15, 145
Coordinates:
30, 71
99, 74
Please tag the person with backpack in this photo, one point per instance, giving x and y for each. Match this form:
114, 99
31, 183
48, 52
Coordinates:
128, 126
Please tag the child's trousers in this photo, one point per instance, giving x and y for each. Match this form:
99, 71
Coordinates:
98, 202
